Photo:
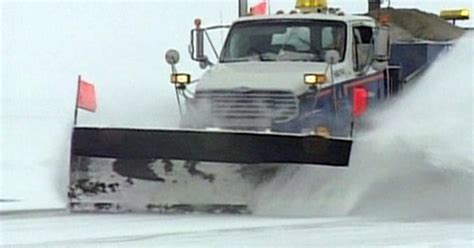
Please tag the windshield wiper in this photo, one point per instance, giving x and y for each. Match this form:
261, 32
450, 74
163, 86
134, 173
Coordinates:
262, 56
236, 60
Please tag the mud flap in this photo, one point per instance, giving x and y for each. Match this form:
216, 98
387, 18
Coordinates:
210, 146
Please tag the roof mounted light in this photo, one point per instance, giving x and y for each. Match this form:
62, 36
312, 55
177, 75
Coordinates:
457, 14
306, 6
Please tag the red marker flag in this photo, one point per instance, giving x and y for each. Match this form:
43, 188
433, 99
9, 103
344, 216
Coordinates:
86, 96
259, 9
359, 101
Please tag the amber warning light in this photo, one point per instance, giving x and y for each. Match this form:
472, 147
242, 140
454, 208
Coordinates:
314, 79
180, 78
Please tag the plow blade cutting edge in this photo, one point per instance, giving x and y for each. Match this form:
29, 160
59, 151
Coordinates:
210, 146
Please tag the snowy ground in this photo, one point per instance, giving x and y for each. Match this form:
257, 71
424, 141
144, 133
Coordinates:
59, 229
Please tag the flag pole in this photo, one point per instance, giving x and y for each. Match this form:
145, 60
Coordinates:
77, 99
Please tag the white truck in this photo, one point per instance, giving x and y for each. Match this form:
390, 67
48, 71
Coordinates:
286, 89
293, 73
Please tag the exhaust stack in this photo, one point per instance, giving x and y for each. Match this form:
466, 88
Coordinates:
374, 5
243, 8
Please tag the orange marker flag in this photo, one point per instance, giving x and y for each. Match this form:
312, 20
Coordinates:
259, 9
86, 96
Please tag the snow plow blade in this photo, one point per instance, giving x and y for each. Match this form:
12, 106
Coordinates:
182, 171
210, 146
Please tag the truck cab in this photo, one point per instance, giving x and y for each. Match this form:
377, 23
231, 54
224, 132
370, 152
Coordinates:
288, 73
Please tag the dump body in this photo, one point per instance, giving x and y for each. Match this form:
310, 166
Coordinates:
414, 57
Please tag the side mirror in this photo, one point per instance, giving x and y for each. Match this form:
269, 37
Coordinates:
197, 42
196, 48
172, 57
382, 44
332, 57
199, 45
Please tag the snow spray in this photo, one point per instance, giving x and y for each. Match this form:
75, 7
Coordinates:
415, 162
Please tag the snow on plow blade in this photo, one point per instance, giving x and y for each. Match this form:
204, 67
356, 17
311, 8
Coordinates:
210, 146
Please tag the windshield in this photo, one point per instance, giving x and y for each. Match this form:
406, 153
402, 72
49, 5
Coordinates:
283, 40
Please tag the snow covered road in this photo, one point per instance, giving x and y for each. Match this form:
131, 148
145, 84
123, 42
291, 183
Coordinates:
60, 229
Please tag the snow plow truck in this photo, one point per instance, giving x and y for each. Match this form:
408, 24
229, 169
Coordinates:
287, 89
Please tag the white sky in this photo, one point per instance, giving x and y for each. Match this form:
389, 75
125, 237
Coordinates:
118, 46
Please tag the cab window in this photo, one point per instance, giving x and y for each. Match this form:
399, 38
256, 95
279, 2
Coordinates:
362, 48
283, 40
296, 37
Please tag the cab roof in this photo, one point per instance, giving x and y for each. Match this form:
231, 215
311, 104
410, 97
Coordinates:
308, 16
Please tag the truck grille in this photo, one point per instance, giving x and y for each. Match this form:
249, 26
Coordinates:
248, 108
